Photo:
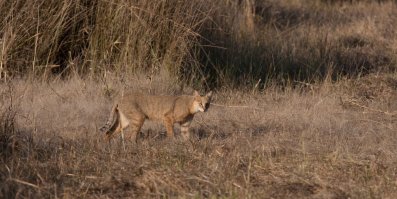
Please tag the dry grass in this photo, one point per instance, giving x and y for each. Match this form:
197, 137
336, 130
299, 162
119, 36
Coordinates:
305, 103
205, 43
320, 141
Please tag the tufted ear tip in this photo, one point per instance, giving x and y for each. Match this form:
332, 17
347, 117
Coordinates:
209, 94
196, 93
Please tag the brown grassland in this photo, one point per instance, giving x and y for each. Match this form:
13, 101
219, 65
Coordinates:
305, 98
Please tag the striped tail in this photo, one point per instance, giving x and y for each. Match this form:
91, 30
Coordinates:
113, 123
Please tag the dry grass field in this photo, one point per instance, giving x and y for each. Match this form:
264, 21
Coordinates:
326, 140
305, 98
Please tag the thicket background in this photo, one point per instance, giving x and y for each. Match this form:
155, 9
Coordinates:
210, 43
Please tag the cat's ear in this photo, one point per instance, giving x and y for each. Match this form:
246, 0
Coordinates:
196, 93
209, 95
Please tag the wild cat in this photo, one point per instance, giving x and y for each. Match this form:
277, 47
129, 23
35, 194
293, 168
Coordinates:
133, 109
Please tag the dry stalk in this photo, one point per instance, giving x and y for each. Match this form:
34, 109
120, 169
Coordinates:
235, 106
356, 104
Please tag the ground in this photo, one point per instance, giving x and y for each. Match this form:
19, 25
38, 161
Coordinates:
321, 140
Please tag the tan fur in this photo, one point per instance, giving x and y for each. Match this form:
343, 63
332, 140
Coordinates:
133, 109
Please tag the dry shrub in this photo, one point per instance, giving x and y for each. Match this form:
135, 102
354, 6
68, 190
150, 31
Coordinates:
91, 36
298, 40
8, 141
204, 43
15, 148
39, 36
149, 35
